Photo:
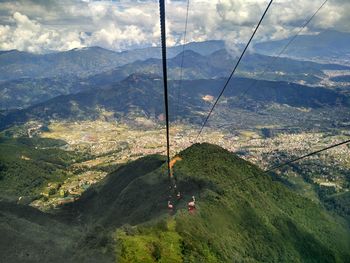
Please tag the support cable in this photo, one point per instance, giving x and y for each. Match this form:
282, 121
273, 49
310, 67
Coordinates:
182, 61
234, 70
268, 67
165, 79
273, 168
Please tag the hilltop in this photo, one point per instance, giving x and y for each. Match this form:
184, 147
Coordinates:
254, 220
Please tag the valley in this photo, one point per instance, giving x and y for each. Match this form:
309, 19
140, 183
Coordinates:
83, 172
109, 145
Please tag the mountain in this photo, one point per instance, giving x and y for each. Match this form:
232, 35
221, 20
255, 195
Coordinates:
327, 45
124, 218
345, 78
219, 64
25, 92
96, 68
94, 60
76, 62
84, 62
204, 48
137, 93
143, 95
27, 165
258, 220
28, 235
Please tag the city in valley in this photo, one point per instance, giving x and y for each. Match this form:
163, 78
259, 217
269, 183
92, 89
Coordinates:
109, 144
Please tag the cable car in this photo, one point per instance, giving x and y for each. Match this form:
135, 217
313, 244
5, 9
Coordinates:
192, 205
170, 206
178, 195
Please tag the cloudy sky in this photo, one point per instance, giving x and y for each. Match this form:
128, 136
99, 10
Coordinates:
47, 25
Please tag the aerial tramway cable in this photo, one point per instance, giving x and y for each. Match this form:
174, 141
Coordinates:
234, 70
273, 168
182, 61
286, 46
306, 156
165, 79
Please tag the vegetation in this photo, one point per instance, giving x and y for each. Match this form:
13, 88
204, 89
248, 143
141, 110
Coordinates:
157, 243
28, 235
255, 220
340, 203
124, 218
29, 164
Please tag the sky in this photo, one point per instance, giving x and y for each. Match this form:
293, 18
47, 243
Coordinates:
41, 26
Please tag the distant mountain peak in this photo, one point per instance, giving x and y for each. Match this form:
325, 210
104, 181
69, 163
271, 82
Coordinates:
188, 52
92, 48
8, 51
136, 77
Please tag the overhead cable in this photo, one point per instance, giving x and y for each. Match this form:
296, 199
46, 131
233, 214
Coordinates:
165, 78
273, 168
182, 60
234, 70
291, 40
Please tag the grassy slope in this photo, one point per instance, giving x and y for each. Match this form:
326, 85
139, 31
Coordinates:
258, 220
28, 235
26, 165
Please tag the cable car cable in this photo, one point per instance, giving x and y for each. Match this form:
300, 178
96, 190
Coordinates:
182, 60
286, 46
273, 168
234, 70
165, 78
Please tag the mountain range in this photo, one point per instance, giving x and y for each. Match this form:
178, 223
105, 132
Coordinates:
25, 92
84, 62
325, 46
220, 64
142, 94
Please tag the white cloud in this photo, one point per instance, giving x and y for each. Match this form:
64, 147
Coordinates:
41, 25
29, 35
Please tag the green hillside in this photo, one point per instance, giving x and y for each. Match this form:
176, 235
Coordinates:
124, 218
254, 221
28, 235
27, 165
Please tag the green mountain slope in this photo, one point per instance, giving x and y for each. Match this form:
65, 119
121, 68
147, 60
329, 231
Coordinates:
124, 218
28, 235
258, 220
27, 165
